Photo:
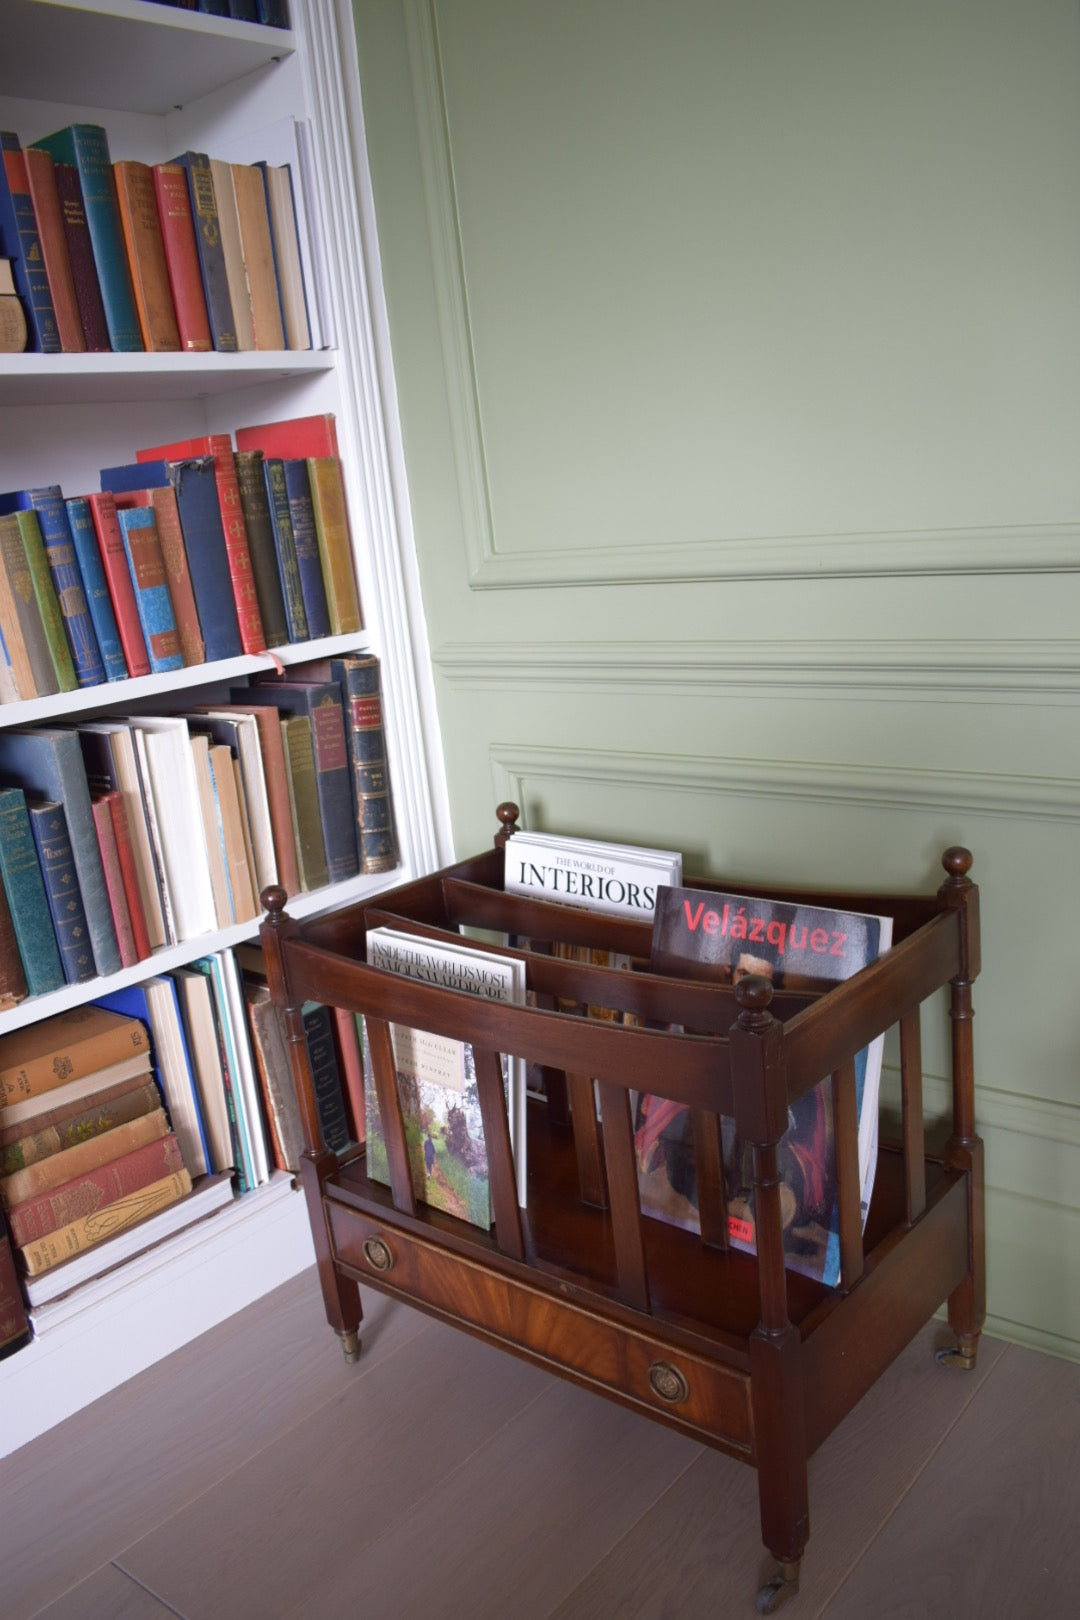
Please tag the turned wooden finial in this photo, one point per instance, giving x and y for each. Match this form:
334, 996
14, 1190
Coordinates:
508, 814
958, 862
273, 898
754, 994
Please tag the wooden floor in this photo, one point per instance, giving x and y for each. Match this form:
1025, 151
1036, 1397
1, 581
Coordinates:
255, 1474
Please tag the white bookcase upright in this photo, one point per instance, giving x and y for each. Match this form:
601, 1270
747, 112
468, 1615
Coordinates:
164, 80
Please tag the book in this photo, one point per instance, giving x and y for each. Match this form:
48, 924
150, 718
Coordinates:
14, 332
13, 986
242, 1129
21, 244
361, 683
285, 235
299, 758
110, 1107
26, 645
129, 871
47, 761
275, 1075
24, 886
162, 501
623, 880
306, 545
275, 781
41, 178
118, 581
237, 729
258, 250
164, 750
49, 827
14, 1323
321, 702
281, 530
141, 229
43, 1173
111, 765
206, 217
180, 246
326, 1076
243, 1064
348, 1034
144, 1232
292, 437
154, 1003
88, 1230
196, 1000
62, 677
335, 549
66, 1047
232, 811
78, 626
86, 146
81, 258
194, 486
95, 587
213, 831
146, 564
722, 938
436, 1078
262, 546
57, 1103
114, 881
93, 1190
219, 447
233, 254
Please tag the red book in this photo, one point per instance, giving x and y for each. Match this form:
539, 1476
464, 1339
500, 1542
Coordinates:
54, 248
352, 1068
129, 872
181, 591
114, 882
293, 439
182, 257
37, 1217
219, 446
118, 578
81, 256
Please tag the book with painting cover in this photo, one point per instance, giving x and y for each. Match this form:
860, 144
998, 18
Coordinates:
436, 1078
721, 937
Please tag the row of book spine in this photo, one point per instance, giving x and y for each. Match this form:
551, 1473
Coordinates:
125, 834
271, 13
190, 256
197, 551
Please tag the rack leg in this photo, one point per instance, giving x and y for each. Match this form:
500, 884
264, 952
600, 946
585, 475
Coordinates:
784, 1584
962, 1354
341, 1296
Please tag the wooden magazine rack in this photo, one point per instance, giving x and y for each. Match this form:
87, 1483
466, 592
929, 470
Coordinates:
728, 1348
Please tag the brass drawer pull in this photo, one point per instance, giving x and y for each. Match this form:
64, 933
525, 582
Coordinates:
668, 1382
378, 1254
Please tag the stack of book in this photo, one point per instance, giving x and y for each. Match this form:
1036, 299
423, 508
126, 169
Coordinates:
191, 256
86, 1148
271, 13
196, 551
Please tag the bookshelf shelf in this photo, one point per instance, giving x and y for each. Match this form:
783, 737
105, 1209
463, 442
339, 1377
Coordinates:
107, 379
128, 55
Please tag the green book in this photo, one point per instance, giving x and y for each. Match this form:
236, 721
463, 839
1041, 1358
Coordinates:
27, 902
45, 596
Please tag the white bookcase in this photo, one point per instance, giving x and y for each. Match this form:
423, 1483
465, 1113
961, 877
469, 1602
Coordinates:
164, 80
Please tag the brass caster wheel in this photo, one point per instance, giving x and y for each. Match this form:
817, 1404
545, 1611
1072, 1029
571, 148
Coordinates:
961, 1356
784, 1584
350, 1344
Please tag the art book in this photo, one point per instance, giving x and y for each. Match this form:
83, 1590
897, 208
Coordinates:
703, 934
436, 1078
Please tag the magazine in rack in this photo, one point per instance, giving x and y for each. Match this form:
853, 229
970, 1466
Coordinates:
726, 937
436, 1078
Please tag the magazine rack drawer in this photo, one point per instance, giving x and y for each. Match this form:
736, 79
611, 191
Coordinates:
696, 1394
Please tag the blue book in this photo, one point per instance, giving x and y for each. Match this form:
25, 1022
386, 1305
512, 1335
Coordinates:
199, 508
47, 763
95, 587
142, 547
48, 503
156, 1004
19, 242
204, 212
273, 471
273, 13
305, 537
25, 890
49, 827
86, 146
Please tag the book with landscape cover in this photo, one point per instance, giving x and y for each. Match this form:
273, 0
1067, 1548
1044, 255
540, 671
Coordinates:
436, 1078
721, 937
208, 242
182, 258
24, 887
81, 258
55, 525
49, 827
86, 146
146, 255
41, 176
20, 242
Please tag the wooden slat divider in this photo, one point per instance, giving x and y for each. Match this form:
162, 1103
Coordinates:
911, 1102
590, 1155
623, 1190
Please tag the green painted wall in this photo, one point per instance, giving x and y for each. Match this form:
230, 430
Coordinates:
737, 351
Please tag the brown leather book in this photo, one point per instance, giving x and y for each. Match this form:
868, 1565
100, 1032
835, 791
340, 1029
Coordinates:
146, 255
54, 248
57, 1168
258, 256
65, 1047
85, 1232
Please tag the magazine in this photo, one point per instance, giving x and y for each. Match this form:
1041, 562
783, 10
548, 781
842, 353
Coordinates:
436, 1078
726, 937
620, 879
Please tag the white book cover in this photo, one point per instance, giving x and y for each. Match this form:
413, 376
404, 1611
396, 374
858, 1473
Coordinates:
618, 879
437, 1078
167, 750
